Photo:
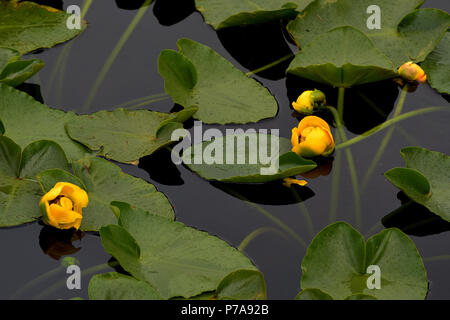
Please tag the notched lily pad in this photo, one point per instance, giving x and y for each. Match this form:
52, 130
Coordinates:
336, 263
221, 14
105, 182
20, 192
126, 135
426, 180
406, 33
197, 76
246, 158
44, 27
176, 260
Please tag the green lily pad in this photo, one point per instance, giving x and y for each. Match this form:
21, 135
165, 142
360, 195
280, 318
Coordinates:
221, 14
26, 120
242, 285
116, 286
406, 34
290, 164
20, 192
105, 182
336, 262
223, 96
14, 72
178, 261
2, 128
313, 294
44, 27
124, 135
426, 180
437, 66
354, 59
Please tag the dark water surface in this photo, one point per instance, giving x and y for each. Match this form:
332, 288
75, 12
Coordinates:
213, 207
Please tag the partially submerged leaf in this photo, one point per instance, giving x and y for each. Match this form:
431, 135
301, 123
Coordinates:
336, 262
105, 182
126, 135
221, 14
238, 158
197, 76
27, 120
176, 260
20, 193
14, 72
44, 27
426, 171
437, 66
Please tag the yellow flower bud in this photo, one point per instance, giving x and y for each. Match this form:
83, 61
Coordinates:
312, 138
287, 182
62, 206
412, 72
309, 100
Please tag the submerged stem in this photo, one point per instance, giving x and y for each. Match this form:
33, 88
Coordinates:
257, 233
270, 65
114, 53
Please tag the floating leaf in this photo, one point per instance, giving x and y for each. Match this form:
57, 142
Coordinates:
336, 262
198, 76
406, 34
220, 164
20, 193
14, 72
354, 59
124, 135
27, 120
116, 286
176, 260
105, 182
221, 14
313, 294
242, 285
44, 27
426, 180
437, 66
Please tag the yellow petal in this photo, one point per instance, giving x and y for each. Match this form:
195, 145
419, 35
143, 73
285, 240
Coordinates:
78, 196
66, 203
290, 181
52, 194
295, 137
312, 121
62, 218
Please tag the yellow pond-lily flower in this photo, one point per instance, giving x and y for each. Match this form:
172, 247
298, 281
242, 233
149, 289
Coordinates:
309, 100
412, 72
287, 182
312, 138
62, 206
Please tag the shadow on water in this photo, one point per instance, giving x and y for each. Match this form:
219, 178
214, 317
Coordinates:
255, 46
161, 168
414, 219
272, 193
170, 12
33, 90
366, 106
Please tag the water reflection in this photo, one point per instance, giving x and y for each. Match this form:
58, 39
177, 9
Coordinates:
366, 106
255, 46
58, 243
414, 219
170, 12
272, 193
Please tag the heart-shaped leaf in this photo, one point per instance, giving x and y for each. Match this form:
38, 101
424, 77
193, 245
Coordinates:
124, 135
245, 158
437, 66
354, 59
198, 76
337, 259
44, 27
426, 180
105, 182
27, 120
176, 260
19, 190
116, 286
221, 14
405, 34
